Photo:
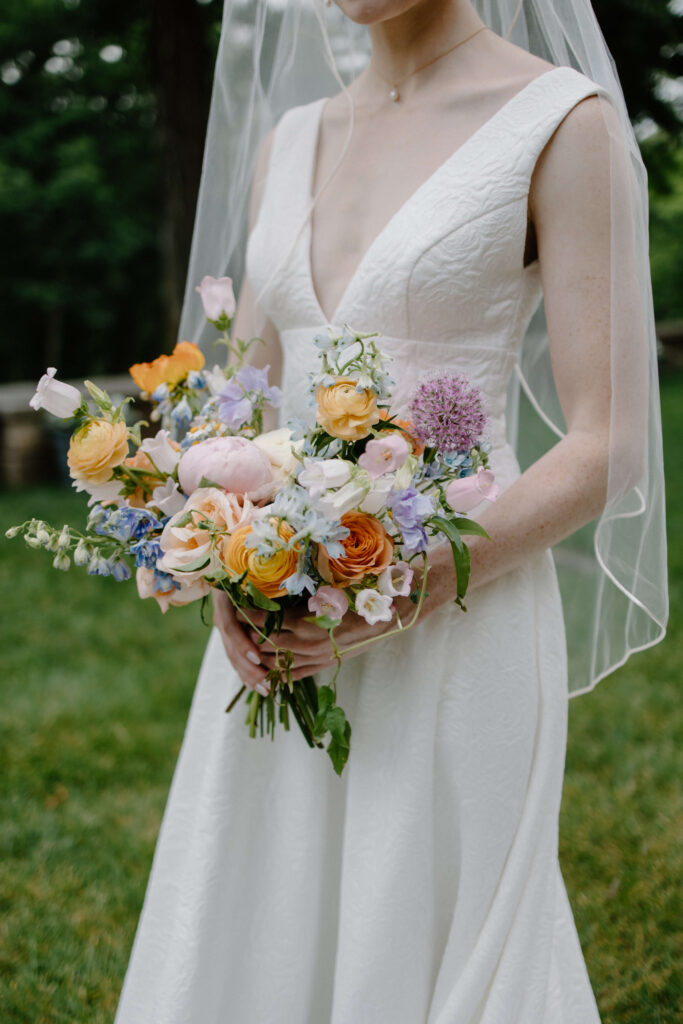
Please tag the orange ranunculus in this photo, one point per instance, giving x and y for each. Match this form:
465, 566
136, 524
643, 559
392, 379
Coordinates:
368, 551
165, 369
407, 430
345, 412
95, 449
266, 572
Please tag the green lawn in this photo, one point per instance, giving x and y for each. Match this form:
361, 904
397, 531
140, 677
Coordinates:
96, 688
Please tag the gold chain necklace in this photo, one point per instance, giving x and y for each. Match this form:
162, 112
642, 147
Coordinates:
395, 95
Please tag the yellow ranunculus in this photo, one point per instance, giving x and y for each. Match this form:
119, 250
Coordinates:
267, 573
95, 449
345, 412
165, 369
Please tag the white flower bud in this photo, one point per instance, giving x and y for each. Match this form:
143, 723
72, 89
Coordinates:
64, 538
82, 553
61, 560
13, 531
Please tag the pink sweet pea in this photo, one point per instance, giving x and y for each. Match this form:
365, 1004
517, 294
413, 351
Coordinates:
217, 297
330, 601
384, 455
465, 494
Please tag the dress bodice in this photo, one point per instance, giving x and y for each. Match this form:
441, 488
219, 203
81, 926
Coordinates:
444, 281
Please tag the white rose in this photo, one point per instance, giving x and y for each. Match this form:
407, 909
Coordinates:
320, 475
54, 396
280, 449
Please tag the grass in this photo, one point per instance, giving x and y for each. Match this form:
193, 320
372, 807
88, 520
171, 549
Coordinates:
95, 692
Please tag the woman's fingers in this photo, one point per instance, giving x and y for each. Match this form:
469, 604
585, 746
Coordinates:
243, 653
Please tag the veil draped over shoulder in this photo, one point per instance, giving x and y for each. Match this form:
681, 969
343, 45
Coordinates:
276, 54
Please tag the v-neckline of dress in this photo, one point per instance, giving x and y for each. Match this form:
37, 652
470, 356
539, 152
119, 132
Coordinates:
414, 196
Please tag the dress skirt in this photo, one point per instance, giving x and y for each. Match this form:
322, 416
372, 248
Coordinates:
421, 887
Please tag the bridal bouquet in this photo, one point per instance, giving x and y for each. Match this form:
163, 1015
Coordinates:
334, 517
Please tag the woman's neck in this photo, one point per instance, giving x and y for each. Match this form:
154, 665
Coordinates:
428, 28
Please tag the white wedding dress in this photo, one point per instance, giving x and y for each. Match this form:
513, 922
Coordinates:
423, 886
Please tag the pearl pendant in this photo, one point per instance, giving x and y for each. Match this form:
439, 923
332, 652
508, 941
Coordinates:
394, 95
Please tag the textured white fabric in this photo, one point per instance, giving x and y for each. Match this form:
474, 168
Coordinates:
423, 887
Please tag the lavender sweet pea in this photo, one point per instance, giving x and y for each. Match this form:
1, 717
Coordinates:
409, 509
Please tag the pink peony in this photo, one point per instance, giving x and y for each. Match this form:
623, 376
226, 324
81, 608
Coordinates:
384, 455
233, 463
466, 493
180, 594
330, 601
217, 297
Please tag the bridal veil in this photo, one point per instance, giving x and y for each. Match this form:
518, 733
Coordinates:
276, 54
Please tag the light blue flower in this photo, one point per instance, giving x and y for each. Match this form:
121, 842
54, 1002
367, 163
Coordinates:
161, 392
146, 552
196, 379
298, 582
120, 570
181, 414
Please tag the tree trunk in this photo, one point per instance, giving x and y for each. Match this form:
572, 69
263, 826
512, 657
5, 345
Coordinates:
181, 75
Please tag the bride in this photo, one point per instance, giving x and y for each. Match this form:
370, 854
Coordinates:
455, 182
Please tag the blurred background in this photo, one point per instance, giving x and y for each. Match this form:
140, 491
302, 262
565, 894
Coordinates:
103, 107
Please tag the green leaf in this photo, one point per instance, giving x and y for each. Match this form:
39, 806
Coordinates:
470, 527
324, 621
260, 600
205, 482
461, 560
448, 528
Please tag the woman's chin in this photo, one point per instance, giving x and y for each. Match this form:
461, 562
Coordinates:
371, 12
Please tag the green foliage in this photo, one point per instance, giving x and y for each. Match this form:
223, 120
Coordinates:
666, 245
80, 201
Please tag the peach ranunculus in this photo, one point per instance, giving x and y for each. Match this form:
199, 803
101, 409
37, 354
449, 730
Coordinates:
344, 411
190, 544
96, 448
167, 369
368, 550
266, 572
179, 594
140, 460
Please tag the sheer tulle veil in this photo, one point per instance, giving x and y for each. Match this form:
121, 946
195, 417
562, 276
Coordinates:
275, 54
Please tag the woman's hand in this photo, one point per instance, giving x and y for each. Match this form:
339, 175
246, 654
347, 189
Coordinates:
310, 644
243, 653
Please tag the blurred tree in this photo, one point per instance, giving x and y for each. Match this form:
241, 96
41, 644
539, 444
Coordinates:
645, 38
102, 117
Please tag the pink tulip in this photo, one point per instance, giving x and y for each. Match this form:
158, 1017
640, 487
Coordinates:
384, 455
466, 493
330, 601
217, 297
233, 463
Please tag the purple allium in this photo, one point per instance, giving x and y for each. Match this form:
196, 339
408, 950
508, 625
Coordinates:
448, 413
